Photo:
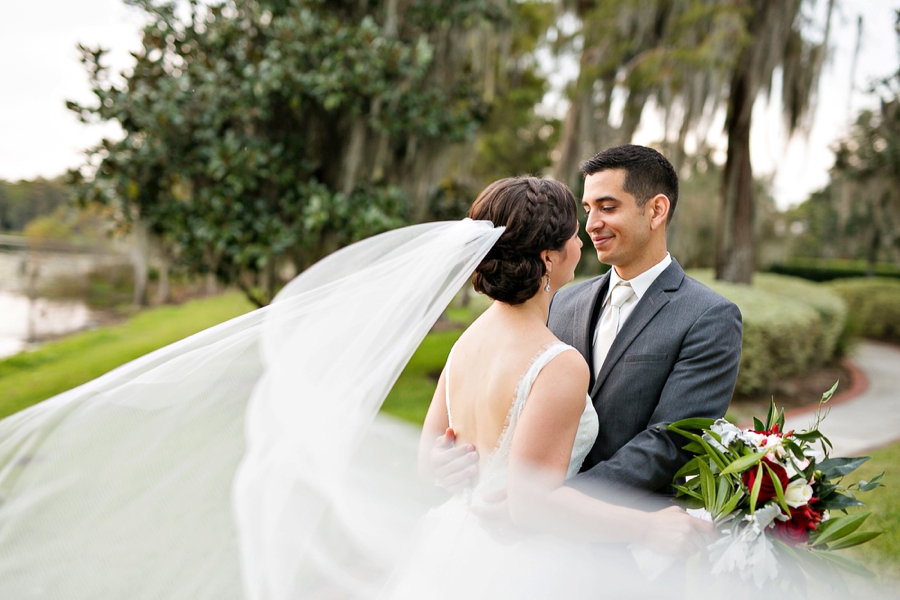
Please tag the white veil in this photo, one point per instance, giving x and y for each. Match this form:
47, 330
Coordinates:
220, 466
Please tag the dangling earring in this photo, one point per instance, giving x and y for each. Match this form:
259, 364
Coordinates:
547, 287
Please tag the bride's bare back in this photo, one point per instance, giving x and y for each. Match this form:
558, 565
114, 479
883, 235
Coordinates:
487, 364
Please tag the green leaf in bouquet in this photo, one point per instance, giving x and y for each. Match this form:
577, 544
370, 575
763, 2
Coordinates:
868, 486
724, 492
689, 468
688, 502
794, 448
743, 463
707, 486
693, 447
685, 491
839, 501
808, 436
827, 395
772, 415
837, 528
854, 539
838, 467
754, 493
731, 504
720, 459
779, 491
844, 562
825, 490
758, 425
698, 423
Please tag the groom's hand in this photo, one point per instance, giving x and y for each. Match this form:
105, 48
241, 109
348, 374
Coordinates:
455, 467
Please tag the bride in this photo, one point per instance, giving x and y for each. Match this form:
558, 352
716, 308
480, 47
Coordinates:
248, 460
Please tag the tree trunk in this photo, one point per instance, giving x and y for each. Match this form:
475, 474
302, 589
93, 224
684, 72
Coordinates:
872, 254
734, 247
140, 258
162, 290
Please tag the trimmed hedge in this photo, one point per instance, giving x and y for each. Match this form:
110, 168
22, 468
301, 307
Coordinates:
874, 306
790, 325
816, 269
832, 310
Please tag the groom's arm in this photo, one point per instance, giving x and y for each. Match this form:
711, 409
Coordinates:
700, 384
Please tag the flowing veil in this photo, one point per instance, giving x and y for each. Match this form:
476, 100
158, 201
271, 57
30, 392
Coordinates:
234, 463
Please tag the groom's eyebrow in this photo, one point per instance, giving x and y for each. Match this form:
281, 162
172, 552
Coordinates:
601, 199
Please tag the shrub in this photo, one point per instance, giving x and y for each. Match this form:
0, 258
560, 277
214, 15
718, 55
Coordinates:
831, 309
789, 326
816, 269
874, 306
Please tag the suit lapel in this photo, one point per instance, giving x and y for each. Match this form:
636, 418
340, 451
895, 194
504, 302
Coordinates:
652, 302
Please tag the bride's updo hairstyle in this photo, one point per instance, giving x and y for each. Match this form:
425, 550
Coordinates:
539, 214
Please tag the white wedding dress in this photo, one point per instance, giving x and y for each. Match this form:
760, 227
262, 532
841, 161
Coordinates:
452, 555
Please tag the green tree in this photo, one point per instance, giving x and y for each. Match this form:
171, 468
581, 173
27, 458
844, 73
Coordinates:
675, 52
23, 201
857, 215
261, 135
778, 41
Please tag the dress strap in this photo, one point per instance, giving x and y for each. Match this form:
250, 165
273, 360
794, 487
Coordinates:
447, 386
540, 361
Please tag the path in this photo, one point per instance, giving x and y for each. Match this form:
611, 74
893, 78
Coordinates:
871, 419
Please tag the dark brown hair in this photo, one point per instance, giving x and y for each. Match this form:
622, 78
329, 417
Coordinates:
647, 172
539, 214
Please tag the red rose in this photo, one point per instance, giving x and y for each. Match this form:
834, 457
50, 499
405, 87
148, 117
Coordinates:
766, 488
803, 520
790, 532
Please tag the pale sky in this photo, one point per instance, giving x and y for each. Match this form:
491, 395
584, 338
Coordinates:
39, 71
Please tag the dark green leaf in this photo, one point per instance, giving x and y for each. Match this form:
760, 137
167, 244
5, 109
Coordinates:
838, 467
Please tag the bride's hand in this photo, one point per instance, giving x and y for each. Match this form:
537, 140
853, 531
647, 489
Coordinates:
455, 467
674, 532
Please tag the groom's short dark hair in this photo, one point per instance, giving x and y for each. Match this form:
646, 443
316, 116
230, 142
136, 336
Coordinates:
647, 172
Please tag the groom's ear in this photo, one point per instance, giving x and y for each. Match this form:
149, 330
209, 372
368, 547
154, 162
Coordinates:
658, 207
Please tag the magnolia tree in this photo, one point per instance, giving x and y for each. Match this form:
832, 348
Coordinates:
261, 135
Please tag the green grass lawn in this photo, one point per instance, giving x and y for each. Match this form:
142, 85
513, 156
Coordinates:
29, 377
882, 554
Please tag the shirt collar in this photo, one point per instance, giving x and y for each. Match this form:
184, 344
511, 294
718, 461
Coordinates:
641, 283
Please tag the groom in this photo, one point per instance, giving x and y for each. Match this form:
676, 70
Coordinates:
661, 346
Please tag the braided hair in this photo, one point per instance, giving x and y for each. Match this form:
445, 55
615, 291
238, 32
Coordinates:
539, 214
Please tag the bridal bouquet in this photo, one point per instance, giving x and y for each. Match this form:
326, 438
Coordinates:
778, 501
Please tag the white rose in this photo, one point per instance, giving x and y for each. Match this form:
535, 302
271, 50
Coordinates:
798, 493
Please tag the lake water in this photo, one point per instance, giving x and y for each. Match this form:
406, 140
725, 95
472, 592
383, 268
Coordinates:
23, 320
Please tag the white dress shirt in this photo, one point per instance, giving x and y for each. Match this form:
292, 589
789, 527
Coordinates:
640, 284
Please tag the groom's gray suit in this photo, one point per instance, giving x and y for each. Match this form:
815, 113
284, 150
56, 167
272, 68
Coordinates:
675, 357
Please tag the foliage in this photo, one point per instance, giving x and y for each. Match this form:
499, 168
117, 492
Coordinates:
831, 308
874, 306
773, 495
825, 269
857, 215
261, 135
23, 201
677, 53
882, 555
784, 331
29, 377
